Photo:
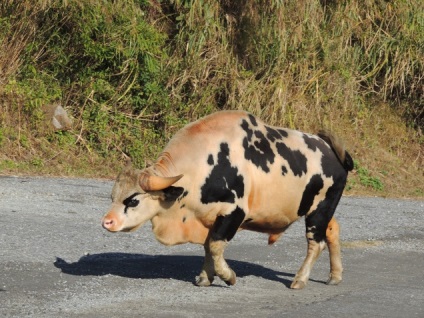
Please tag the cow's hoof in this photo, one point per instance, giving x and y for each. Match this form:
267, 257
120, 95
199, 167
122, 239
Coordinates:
232, 279
297, 284
203, 282
333, 280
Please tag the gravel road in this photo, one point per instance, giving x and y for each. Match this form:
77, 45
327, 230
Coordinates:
57, 261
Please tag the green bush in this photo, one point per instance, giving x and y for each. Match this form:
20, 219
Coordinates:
366, 179
103, 59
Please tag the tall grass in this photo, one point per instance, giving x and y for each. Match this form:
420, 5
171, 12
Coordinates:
286, 59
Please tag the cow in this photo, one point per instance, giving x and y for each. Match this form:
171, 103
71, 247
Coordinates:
230, 171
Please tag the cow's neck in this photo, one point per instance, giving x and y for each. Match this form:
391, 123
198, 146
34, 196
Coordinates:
178, 227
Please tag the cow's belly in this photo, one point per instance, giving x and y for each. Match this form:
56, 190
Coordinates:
271, 223
273, 210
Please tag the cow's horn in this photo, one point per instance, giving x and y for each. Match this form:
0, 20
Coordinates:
150, 182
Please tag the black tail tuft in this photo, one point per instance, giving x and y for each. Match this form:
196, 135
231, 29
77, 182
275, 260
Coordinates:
337, 146
348, 162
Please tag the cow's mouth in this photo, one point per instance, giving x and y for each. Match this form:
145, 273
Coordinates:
131, 229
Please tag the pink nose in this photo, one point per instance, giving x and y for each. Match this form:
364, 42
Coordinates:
108, 223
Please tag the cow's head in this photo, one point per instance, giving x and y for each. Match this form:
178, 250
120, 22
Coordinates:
137, 196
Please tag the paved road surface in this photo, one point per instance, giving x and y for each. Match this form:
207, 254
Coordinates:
57, 261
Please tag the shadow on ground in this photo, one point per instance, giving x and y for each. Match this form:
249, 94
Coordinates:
179, 267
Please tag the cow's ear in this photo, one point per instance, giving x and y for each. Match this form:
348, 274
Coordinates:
172, 193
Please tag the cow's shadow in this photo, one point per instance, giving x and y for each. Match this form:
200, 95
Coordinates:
180, 267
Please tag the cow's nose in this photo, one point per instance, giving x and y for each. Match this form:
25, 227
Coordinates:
108, 223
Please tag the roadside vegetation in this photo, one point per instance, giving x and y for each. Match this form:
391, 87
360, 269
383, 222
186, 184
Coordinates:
131, 73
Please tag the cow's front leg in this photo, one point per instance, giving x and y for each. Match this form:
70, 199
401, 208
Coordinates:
222, 269
208, 271
224, 229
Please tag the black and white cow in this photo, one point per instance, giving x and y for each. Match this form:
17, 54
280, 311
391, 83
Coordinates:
230, 171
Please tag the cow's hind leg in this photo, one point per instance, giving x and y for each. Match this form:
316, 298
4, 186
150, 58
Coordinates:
314, 250
316, 225
316, 244
224, 229
322, 228
333, 243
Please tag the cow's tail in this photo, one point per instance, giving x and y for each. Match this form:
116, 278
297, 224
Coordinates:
338, 147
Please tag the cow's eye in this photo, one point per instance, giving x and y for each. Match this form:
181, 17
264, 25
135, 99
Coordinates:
131, 201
